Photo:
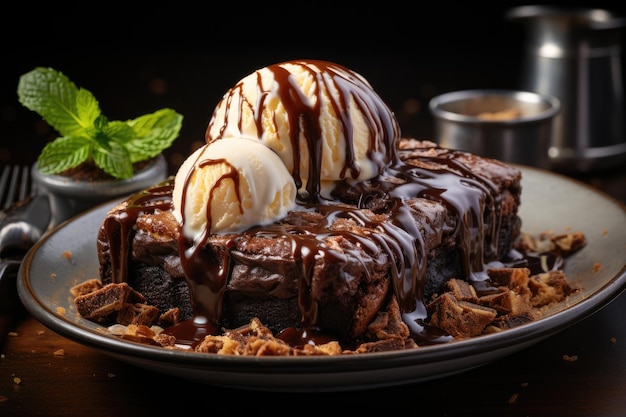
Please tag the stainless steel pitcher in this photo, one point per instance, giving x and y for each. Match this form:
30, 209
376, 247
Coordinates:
575, 54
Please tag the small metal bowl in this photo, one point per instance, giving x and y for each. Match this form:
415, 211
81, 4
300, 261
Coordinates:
509, 125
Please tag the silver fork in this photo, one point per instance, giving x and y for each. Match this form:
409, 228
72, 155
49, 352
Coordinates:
14, 185
15, 192
22, 214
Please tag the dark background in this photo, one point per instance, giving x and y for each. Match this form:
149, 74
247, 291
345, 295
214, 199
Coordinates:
185, 57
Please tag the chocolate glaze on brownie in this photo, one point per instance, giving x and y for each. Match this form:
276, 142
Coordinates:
437, 214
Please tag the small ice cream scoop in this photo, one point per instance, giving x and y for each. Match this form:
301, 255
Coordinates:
228, 186
324, 121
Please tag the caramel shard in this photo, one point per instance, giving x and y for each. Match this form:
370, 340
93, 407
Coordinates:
507, 302
142, 330
254, 339
459, 318
254, 328
219, 344
549, 287
140, 333
140, 339
170, 317
86, 287
508, 322
165, 340
569, 243
330, 348
461, 290
389, 324
139, 314
513, 278
563, 244
257, 346
102, 303
387, 345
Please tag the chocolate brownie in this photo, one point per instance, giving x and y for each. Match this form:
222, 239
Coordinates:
329, 268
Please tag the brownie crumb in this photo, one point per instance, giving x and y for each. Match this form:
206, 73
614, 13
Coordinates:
517, 298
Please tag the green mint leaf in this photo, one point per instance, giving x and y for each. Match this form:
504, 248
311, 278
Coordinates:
119, 132
101, 122
114, 160
153, 133
86, 134
64, 153
58, 101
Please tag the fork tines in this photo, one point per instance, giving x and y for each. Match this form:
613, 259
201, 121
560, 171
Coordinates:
14, 185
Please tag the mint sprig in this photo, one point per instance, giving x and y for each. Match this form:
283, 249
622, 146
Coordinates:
86, 134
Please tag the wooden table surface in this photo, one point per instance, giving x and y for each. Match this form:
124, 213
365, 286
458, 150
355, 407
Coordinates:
45, 374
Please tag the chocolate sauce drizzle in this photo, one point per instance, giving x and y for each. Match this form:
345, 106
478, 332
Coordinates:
305, 117
119, 227
472, 201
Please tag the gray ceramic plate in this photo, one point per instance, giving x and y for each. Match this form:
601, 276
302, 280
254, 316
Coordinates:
550, 202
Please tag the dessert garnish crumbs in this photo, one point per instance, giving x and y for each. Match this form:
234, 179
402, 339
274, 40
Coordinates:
61, 311
110, 375
458, 310
513, 398
613, 340
40, 332
17, 380
59, 352
3, 398
13, 334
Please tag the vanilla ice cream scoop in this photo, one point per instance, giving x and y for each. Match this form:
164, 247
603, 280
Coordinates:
230, 185
324, 120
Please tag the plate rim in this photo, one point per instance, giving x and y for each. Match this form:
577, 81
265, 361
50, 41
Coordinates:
147, 356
